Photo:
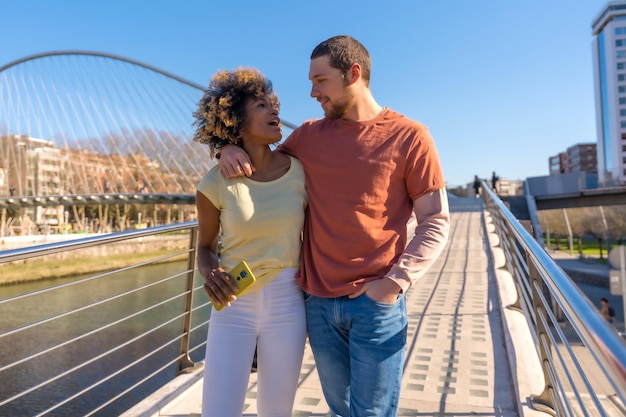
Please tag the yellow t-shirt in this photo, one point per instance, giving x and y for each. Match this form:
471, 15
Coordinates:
261, 222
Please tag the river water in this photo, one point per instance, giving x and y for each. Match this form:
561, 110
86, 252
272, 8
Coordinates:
28, 342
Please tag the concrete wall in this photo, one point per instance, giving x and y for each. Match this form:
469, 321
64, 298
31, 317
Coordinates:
569, 183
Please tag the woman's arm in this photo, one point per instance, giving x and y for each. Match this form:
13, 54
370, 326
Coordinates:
218, 285
235, 162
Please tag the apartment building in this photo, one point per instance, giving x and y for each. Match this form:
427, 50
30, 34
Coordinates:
609, 72
581, 157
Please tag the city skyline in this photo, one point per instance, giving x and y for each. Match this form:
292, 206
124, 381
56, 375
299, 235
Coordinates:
495, 95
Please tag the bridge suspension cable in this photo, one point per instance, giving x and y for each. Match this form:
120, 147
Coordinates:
79, 122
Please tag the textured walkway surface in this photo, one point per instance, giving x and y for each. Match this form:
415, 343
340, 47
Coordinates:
457, 359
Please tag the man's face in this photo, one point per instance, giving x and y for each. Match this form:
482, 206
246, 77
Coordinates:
330, 88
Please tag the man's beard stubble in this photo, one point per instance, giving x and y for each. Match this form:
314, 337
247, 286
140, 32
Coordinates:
339, 108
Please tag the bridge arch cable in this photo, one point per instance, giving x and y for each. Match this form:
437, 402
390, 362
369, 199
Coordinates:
93, 123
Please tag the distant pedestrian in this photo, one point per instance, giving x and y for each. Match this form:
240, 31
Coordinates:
12, 191
607, 311
494, 181
476, 186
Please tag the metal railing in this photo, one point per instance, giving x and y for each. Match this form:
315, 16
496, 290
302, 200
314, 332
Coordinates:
101, 350
583, 358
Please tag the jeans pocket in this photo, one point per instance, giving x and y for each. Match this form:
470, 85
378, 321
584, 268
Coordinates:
306, 296
382, 303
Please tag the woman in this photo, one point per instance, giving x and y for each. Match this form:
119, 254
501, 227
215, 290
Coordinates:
258, 220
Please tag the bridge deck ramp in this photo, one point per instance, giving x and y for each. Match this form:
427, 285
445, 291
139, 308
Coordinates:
457, 359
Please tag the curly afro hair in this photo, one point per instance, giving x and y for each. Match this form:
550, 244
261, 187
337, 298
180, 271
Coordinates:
221, 110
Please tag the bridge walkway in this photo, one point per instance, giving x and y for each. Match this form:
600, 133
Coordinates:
459, 350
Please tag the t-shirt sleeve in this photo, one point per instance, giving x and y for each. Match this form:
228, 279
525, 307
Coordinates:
293, 144
210, 186
289, 145
424, 174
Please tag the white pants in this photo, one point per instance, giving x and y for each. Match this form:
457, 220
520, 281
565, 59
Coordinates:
271, 319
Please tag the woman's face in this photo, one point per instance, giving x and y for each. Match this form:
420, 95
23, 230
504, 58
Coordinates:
261, 123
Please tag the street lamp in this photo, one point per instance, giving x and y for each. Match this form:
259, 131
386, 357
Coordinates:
20, 154
2, 179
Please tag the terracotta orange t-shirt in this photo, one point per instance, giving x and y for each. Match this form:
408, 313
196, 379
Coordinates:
362, 178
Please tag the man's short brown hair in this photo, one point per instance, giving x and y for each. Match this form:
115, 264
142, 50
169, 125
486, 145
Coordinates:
344, 51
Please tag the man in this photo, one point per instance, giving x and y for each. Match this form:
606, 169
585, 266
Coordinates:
494, 181
476, 186
367, 168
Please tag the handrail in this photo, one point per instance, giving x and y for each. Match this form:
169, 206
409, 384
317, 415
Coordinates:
551, 302
161, 313
86, 242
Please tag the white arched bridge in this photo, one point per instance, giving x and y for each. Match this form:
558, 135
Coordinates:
82, 128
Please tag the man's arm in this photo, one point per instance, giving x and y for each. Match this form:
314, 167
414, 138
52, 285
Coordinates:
235, 162
431, 234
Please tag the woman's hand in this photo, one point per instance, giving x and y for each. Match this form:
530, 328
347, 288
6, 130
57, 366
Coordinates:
235, 162
220, 287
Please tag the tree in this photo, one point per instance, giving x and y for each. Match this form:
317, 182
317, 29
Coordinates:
616, 222
597, 225
552, 223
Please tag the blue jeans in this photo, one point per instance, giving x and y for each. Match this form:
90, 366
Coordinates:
359, 347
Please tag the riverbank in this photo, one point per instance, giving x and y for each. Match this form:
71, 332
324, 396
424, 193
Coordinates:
95, 259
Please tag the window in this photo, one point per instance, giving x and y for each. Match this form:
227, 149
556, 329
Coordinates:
621, 89
618, 31
620, 54
622, 125
619, 42
620, 77
620, 65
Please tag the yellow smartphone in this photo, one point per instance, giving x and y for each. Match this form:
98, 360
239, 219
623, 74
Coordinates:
244, 277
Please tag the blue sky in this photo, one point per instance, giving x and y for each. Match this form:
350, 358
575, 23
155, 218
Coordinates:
502, 84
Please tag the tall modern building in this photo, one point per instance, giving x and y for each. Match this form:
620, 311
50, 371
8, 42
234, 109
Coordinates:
609, 72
